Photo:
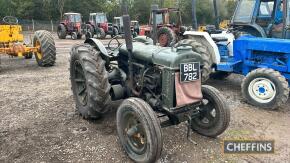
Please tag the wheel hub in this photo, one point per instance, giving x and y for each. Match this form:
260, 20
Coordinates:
135, 133
262, 90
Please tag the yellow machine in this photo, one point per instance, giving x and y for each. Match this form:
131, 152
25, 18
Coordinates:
12, 43
223, 25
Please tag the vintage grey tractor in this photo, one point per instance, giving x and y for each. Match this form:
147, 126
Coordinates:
158, 86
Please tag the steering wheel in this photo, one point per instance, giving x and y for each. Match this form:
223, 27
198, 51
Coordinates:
110, 42
11, 20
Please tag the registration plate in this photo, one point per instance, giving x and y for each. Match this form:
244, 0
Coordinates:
189, 71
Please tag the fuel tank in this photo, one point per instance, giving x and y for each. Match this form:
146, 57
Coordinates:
164, 56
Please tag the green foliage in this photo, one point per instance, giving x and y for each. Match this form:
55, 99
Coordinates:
138, 9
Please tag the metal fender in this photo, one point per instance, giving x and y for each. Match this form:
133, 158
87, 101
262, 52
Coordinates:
205, 39
98, 44
229, 43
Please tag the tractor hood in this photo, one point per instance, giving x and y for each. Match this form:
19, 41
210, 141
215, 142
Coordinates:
163, 56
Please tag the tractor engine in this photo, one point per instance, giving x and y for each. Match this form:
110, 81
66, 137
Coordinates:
149, 85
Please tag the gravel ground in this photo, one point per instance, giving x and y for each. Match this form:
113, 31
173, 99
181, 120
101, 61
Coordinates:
38, 121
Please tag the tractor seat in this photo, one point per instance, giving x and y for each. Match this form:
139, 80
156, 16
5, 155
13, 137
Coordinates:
220, 39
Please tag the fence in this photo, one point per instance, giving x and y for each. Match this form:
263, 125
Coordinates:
34, 25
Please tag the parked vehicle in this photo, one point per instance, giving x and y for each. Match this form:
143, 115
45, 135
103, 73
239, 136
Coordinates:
70, 25
135, 28
262, 18
265, 62
12, 43
153, 82
98, 25
169, 25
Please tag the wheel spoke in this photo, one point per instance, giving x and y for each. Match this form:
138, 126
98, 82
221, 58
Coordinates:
209, 117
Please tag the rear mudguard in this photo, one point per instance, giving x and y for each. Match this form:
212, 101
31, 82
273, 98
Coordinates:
205, 39
98, 45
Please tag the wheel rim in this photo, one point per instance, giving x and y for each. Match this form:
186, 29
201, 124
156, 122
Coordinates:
262, 90
80, 82
38, 53
209, 115
163, 39
134, 133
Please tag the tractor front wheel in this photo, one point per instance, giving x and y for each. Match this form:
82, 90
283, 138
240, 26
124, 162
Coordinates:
89, 80
265, 88
61, 31
139, 130
214, 117
46, 54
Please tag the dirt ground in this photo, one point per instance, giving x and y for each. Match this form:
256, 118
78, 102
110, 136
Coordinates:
38, 122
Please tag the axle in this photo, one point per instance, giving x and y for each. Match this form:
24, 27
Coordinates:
17, 49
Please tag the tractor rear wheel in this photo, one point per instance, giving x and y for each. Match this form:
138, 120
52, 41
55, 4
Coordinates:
265, 88
61, 31
115, 32
165, 36
200, 49
89, 33
101, 34
46, 55
139, 130
89, 80
214, 117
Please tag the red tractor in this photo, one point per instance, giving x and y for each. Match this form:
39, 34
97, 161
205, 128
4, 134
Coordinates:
98, 25
70, 25
169, 26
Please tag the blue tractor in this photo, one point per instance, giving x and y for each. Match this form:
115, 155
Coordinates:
256, 46
262, 18
264, 61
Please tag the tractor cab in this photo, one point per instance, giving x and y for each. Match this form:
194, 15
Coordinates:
263, 18
170, 17
119, 25
99, 20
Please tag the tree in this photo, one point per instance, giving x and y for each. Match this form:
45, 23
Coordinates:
60, 4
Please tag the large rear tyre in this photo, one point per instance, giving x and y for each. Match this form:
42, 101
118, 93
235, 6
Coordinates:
165, 36
89, 79
101, 34
46, 55
90, 29
200, 49
214, 117
61, 31
139, 130
265, 88
115, 32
